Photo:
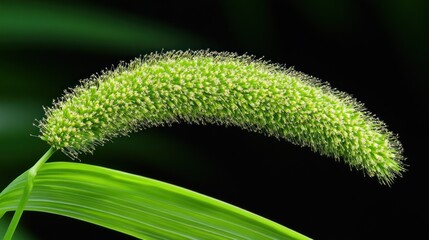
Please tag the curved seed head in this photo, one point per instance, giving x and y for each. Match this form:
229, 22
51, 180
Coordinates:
225, 89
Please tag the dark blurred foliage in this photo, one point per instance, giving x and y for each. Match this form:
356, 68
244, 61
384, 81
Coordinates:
375, 50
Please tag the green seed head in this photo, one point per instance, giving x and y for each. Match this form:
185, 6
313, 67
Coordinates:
225, 89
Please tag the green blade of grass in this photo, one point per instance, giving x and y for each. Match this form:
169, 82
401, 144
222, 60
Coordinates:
137, 206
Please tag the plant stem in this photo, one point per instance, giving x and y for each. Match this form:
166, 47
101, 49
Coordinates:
32, 172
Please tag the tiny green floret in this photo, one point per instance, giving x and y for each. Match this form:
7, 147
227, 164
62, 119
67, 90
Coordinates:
225, 89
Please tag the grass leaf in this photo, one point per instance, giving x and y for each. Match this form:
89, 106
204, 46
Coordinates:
137, 206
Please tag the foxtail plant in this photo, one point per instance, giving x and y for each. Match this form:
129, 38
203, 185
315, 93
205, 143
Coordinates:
224, 89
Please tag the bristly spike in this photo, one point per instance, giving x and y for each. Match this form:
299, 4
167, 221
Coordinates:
226, 89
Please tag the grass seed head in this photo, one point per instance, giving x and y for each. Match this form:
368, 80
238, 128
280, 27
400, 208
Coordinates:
225, 89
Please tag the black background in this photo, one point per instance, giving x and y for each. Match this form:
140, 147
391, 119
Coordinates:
375, 50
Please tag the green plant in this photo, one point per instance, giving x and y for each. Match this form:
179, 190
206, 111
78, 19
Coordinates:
192, 87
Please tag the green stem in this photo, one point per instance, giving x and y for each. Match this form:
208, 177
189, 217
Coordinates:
32, 172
